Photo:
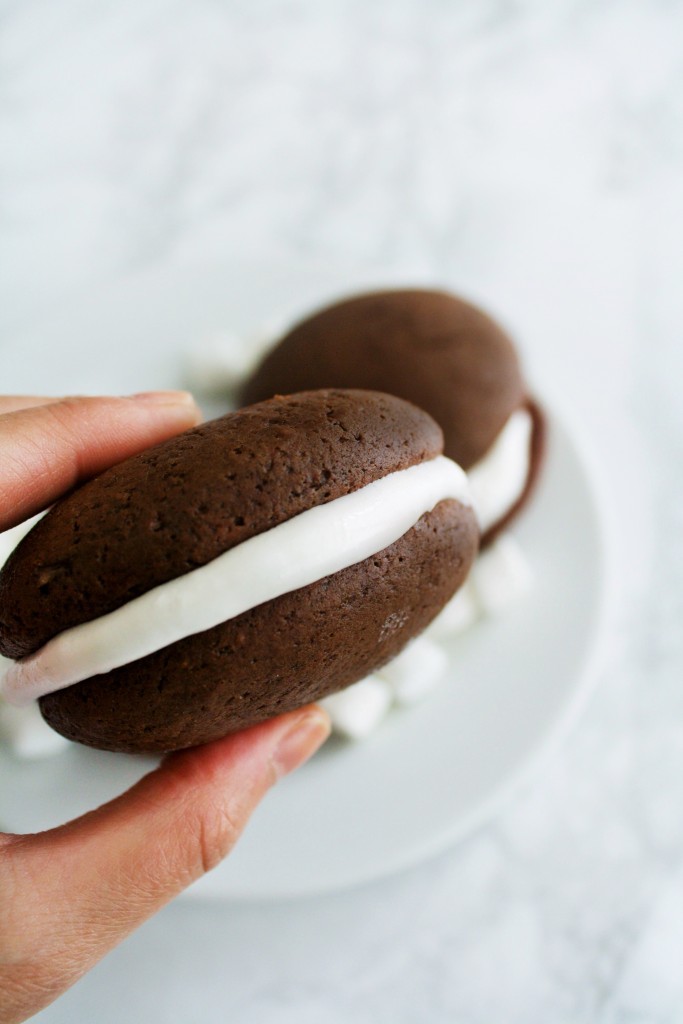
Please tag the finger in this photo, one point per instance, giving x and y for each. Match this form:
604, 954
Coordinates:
48, 449
79, 889
12, 403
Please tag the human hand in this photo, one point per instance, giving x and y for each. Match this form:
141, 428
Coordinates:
69, 895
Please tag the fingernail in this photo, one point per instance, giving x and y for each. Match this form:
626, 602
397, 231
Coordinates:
165, 398
301, 741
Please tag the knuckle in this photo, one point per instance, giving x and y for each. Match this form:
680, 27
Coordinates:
215, 833
62, 412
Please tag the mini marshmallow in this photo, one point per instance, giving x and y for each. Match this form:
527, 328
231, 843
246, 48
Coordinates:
357, 711
501, 576
218, 362
461, 612
417, 670
267, 334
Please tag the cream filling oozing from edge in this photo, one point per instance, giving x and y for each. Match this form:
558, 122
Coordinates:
498, 480
314, 544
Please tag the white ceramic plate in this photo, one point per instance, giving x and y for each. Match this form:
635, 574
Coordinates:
356, 812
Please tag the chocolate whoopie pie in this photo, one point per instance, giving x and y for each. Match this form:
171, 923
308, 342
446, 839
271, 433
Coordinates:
242, 569
444, 355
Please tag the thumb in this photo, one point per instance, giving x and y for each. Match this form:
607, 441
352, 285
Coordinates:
77, 890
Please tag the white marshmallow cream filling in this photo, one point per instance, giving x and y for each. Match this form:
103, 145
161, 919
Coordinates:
314, 544
498, 480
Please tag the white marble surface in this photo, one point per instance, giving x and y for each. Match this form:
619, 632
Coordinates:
531, 155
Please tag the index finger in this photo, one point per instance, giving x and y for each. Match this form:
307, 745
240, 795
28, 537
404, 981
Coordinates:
49, 448
12, 403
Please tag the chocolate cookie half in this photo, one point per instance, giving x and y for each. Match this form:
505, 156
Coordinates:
443, 354
249, 566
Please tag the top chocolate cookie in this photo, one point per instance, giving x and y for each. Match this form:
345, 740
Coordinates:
429, 347
444, 355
